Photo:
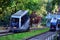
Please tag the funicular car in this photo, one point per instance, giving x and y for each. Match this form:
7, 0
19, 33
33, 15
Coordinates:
20, 21
53, 24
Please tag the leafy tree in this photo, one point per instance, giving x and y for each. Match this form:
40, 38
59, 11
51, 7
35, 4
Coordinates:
49, 7
55, 2
4, 3
8, 7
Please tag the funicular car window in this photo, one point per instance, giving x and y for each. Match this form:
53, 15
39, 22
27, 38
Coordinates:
15, 21
24, 19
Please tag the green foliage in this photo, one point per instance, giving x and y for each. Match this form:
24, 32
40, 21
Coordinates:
49, 7
43, 22
52, 5
4, 3
55, 2
32, 6
8, 7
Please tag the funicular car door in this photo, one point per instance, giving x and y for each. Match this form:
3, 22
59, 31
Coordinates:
14, 22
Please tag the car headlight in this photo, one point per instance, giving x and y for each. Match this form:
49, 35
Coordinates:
14, 27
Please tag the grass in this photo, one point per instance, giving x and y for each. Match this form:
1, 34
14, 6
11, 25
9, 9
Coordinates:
20, 36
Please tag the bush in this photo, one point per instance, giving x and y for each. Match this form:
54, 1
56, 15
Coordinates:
43, 22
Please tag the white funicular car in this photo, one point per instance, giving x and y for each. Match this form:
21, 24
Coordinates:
20, 21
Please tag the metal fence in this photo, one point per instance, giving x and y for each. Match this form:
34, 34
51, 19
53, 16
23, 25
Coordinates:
50, 37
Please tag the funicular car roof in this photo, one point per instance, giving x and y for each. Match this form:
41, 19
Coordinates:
19, 14
50, 16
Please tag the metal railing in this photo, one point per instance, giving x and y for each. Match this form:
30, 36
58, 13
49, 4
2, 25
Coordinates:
50, 37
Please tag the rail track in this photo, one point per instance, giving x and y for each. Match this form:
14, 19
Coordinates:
42, 36
5, 33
